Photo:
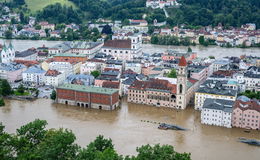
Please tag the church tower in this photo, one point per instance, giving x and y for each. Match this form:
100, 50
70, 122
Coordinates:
182, 84
7, 53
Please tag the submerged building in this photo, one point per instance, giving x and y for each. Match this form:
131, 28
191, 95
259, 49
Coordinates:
162, 92
88, 96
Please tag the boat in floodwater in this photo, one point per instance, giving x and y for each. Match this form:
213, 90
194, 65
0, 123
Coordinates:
170, 126
250, 141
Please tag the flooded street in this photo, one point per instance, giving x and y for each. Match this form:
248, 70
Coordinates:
125, 127
216, 51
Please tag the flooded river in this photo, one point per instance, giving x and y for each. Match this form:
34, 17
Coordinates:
125, 127
216, 51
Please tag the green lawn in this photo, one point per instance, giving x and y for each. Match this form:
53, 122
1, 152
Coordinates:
36, 5
19, 94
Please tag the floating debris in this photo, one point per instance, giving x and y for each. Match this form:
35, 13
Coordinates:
250, 141
170, 126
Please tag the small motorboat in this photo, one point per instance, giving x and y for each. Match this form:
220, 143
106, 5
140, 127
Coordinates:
250, 141
165, 126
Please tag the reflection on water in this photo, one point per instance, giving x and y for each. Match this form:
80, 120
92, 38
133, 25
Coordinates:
126, 128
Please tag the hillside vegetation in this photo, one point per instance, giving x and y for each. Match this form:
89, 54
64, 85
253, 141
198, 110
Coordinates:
37, 5
211, 12
191, 12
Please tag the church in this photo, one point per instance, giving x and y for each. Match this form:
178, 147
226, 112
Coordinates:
7, 53
175, 93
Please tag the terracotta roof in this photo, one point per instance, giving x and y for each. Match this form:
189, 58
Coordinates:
109, 84
53, 73
156, 84
224, 73
118, 43
192, 80
252, 105
27, 63
182, 61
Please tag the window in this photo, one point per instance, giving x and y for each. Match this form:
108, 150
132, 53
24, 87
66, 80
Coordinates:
180, 89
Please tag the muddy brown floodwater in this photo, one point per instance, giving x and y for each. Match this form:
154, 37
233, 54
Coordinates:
125, 127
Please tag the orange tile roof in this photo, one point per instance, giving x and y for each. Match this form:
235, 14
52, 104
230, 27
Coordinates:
26, 62
53, 73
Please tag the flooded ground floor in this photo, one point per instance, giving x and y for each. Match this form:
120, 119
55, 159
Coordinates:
126, 128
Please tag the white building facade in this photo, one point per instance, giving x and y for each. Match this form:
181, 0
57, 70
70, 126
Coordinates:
217, 112
34, 75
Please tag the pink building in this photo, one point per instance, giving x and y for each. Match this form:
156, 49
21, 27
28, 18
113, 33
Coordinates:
12, 72
246, 113
199, 72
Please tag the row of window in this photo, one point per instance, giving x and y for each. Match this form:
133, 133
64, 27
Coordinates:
252, 124
115, 51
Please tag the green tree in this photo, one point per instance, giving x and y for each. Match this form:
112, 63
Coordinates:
60, 26
125, 22
2, 103
154, 40
13, 21
28, 137
33, 141
95, 73
5, 88
6, 148
101, 149
211, 57
251, 94
202, 40
19, 2
57, 144
8, 34
164, 152
21, 89
37, 27
172, 74
53, 95
189, 49
107, 29
19, 27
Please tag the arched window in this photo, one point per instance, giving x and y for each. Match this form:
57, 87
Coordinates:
180, 89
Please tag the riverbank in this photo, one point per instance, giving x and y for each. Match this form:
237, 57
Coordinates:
21, 45
126, 128
58, 40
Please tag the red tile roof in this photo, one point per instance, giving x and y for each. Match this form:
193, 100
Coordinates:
109, 84
192, 80
182, 61
252, 105
224, 73
27, 63
157, 84
118, 43
53, 73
